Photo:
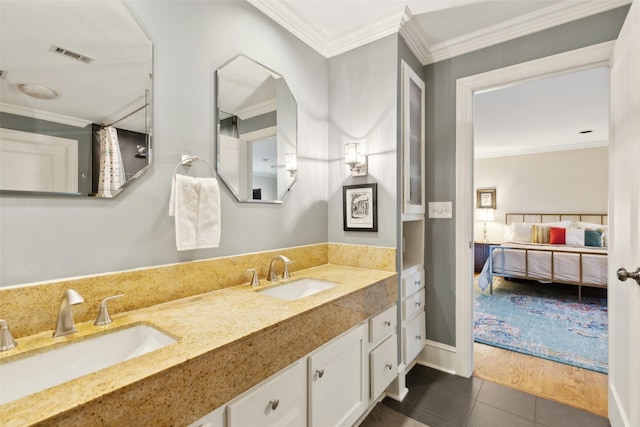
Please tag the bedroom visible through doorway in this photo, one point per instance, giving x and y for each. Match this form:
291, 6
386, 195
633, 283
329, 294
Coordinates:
541, 145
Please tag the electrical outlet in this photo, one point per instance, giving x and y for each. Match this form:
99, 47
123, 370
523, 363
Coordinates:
440, 210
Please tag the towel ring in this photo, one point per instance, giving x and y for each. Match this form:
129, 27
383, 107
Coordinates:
187, 160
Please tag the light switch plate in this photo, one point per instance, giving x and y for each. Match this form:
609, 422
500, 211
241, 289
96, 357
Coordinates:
440, 210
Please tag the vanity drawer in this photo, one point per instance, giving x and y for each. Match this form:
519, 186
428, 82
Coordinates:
412, 282
414, 337
413, 305
279, 400
383, 365
383, 324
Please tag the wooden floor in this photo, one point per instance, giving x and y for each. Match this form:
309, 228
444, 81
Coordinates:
562, 383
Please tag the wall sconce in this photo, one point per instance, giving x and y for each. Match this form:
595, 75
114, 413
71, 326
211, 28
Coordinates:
357, 162
484, 215
291, 163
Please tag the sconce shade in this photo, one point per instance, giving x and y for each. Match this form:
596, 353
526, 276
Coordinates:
351, 153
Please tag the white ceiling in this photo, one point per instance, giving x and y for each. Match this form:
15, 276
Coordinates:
537, 116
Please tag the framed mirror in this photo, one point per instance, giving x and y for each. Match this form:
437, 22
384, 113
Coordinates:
257, 131
75, 98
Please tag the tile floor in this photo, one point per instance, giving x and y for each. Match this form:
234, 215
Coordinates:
439, 399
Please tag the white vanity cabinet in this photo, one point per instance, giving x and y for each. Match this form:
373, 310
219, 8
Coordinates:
338, 380
332, 386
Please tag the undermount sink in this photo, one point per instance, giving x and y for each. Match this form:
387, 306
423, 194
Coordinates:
298, 289
31, 374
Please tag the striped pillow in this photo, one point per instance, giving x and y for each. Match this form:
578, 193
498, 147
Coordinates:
539, 234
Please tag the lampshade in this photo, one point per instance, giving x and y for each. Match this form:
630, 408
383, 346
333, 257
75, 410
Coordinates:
351, 152
484, 215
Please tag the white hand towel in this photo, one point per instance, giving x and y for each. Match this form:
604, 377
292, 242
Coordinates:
195, 203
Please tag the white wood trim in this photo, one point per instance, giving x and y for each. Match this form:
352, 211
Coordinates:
43, 115
587, 57
530, 23
438, 356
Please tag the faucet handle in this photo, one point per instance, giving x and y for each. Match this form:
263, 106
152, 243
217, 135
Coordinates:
6, 339
255, 281
104, 318
285, 272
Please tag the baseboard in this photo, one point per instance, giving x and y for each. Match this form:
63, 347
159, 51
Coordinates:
438, 356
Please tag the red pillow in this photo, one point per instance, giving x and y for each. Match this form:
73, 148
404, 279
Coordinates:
557, 236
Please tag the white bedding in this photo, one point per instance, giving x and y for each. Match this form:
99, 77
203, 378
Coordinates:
546, 263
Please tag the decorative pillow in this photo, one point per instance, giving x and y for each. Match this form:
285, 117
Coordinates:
598, 227
574, 237
557, 235
593, 238
518, 232
539, 233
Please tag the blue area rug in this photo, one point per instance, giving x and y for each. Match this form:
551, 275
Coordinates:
544, 320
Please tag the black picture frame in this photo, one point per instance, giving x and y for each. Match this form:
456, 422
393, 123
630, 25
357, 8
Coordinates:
486, 198
360, 207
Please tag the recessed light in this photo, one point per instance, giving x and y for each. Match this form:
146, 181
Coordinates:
39, 92
585, 131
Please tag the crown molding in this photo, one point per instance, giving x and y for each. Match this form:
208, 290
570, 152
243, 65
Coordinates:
299, 26
43, 115
530, 23
538, 150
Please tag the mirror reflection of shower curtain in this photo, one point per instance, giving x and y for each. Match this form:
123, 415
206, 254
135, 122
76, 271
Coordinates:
111, 176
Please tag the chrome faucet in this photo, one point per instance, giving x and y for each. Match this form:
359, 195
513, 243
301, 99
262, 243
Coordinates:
65, 324
6, 339
272, 276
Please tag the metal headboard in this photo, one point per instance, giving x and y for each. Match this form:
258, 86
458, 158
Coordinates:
554, 217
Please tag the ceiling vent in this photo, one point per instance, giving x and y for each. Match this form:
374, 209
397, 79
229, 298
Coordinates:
71, 54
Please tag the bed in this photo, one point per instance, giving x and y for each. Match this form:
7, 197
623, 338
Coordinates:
534, 250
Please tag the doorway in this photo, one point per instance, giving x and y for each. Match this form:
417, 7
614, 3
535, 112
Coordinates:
589, 57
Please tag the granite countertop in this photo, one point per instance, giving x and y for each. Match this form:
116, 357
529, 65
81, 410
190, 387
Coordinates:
236, 336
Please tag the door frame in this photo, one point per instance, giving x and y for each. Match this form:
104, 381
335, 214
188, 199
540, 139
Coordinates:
575, 60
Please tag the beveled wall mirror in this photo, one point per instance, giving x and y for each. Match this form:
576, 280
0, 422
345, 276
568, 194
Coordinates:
75, 98
257, 130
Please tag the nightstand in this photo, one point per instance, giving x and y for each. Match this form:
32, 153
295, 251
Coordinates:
480, 254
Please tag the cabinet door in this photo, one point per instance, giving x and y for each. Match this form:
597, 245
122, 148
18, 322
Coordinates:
338, 380
414, 337
278, 401
412, 141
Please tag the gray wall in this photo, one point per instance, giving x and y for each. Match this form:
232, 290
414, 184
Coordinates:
440, 143
49, 238
363, 108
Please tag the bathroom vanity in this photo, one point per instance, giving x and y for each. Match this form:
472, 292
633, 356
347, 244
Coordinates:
234, 348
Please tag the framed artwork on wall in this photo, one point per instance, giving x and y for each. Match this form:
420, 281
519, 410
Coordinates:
486, 198
360, 207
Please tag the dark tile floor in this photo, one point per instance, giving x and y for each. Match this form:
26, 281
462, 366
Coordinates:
439, 399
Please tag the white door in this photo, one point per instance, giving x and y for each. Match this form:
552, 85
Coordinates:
624, 213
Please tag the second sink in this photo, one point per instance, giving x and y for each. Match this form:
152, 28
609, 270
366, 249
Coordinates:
298, 289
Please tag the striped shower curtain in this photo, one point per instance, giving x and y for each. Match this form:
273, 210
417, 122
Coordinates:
111, 176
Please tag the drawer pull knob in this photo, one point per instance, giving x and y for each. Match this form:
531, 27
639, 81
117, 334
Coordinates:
389, 366
418, 337
418, 304
274, 404
320, 372
387, 323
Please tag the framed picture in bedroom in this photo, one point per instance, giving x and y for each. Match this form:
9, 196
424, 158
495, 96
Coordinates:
360, 207
486, 198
